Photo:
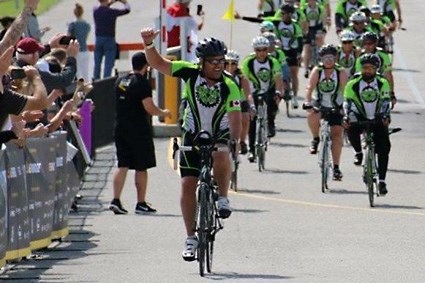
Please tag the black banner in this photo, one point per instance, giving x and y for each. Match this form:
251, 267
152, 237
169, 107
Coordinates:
18, 227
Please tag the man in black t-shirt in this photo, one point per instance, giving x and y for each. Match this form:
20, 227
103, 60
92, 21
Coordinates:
133, 133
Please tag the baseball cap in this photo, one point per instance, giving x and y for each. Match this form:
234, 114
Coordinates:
28, 45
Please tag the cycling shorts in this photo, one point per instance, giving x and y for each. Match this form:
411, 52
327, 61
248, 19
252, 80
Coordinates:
291, 57
312, 32
244, 106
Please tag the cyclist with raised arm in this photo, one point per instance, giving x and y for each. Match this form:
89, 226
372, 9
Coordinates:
370, 42
213, 104
367, 97
247, 102
324, 89
264, 73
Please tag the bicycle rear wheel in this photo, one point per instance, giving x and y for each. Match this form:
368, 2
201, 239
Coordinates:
202, 227
211, 235
324, 164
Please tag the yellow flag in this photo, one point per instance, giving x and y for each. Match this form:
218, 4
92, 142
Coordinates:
230, 13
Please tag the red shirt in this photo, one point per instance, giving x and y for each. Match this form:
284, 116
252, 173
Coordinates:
176, 10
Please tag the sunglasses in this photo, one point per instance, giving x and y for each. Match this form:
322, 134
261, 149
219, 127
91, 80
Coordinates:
261, 50
216, 61
358, 23
347, 42
328, 58
231, 64
368, 43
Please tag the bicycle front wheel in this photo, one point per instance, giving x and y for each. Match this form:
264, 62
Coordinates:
211, 230
324, 164
202, 226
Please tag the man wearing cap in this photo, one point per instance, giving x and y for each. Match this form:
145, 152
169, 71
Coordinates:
14, 103
28, 52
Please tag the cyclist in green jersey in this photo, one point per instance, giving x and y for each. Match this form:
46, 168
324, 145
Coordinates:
358, 26
213, 104
367, 97
347, 52
327, 7
264, 73
377, 16
370, 41
247, 102
268, 8
324, 89
388, 7
343, 11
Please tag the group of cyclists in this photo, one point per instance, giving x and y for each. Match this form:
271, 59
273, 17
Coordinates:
221, 91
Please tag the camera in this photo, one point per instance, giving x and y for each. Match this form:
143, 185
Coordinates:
199, 10
66, 40
17, 73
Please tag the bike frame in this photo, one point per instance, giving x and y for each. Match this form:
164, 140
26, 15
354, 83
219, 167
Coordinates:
325, 160
261, 140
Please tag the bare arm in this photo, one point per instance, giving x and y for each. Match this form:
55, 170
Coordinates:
38, 101
246, 88
279, 83
155, 60
153, 110
398, 8
311, 85
18, 26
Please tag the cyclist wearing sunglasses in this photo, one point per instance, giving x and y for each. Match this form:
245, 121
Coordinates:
247, 103
324, 89
347, 52
264, 73
213, 104
367, 97
358, 26
370, 42
343, 11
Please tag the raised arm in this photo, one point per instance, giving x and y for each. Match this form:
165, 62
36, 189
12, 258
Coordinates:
18, 26
155, 60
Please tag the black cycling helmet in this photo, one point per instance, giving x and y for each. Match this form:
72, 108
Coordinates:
288, 8
370, 58
210, 47
365, 10
370, 36
328, 49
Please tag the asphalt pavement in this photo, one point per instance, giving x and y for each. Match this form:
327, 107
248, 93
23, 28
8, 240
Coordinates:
283, 228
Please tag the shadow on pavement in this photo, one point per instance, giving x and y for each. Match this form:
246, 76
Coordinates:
265, 192
391, 206
406, 70
280, 171
78, 242
405, 171
281, 144
346, 192
248, 210
280, 130
235, 275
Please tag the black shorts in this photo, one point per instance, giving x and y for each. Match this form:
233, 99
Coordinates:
244, 106
291, 57
312, 32
135, 153
334, 119
190, 162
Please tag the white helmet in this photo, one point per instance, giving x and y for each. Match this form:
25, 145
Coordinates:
260, 42
232, 55
358, 17
271, 37
376, 9
347, 35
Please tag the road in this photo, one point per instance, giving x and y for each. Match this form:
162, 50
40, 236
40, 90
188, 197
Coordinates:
283, 227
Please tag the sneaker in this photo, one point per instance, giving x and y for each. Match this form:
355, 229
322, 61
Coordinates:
244, 148
358, 159
272, 132
337, 175
313, 146
224, 209
251, 157
116, 207
144, 207
294, 102
382, 188
190, 246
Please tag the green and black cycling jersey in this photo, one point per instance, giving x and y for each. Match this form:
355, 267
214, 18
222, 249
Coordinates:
358, 34
279, 55
388, 7
366, 101
206, 106
261, 75
344, 9
328, 93
347, 61
314, 15
385, 61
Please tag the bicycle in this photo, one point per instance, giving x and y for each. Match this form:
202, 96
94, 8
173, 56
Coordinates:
235, 166
262, 141
324, 156
370, 166
208, 222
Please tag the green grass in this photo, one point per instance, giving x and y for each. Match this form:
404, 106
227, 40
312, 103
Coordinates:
9, 7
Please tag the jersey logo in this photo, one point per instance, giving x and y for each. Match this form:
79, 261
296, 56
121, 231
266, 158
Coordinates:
312, 15
264, 75
208, 97
369, 94
235, 103
326, 86
286, 33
